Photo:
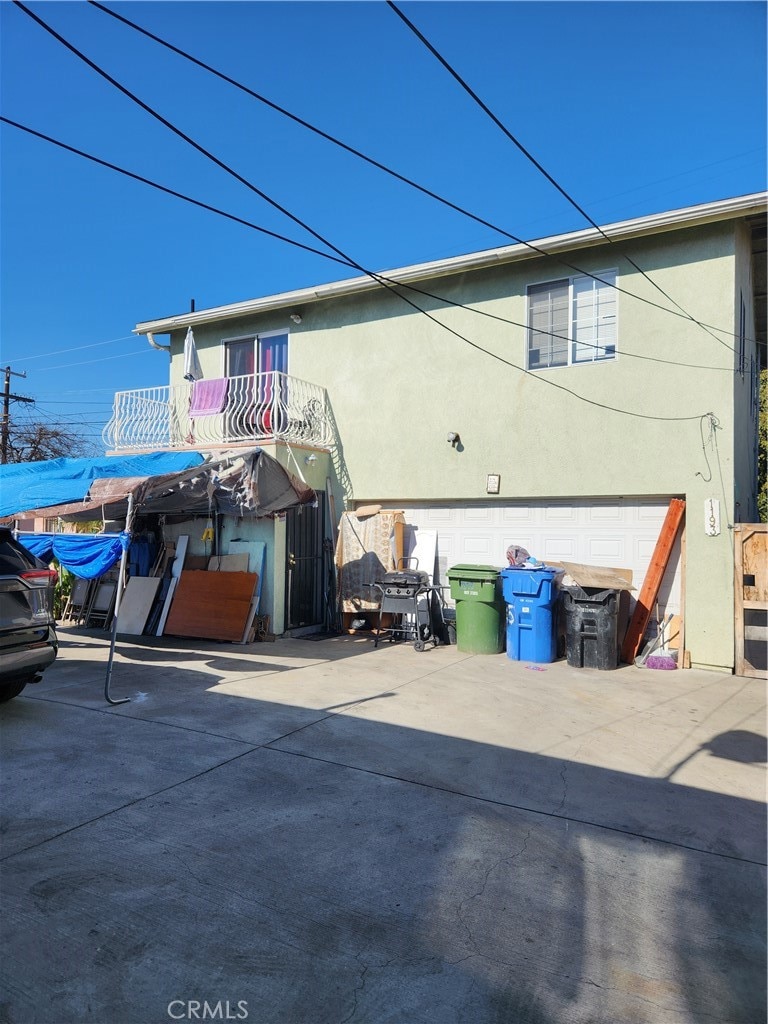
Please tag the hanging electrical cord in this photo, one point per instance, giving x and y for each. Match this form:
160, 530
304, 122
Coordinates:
723, 490
413, 184
529, 156
297, 220
714, 424
300, 245
710, 441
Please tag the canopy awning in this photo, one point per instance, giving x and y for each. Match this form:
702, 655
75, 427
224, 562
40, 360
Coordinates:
27, 486
86, 555
243, 483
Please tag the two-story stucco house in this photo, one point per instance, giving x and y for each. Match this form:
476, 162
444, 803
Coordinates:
553, 395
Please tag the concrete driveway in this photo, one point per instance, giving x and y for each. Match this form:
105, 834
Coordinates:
317, 832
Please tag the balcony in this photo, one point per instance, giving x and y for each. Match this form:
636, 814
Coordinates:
255, 408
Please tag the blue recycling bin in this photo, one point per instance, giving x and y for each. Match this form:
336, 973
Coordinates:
531, 613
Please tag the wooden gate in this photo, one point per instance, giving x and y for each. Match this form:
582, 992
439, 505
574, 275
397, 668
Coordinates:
751, 593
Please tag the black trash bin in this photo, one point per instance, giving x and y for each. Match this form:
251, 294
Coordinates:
591, 627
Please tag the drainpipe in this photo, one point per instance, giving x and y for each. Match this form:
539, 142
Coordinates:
160, 348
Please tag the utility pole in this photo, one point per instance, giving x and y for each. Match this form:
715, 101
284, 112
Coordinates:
6, 421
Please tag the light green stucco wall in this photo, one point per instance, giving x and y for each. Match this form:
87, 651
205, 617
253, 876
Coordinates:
398, 383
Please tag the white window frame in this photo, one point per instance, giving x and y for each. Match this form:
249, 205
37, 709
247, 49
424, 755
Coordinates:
255, 339
574, 324
235, 339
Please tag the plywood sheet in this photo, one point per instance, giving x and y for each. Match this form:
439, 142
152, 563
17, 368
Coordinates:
672, 633
196, 561
167, 605
257, 560
136, 604
176, 568
211, 605
228, 563
602, 577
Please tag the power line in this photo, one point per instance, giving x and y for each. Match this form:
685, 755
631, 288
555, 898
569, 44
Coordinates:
318, 252
76, 348
62, 417
413, 184
88, 391
376, 277
170, 191
539, 167
90, 362
182, 135
99, 405
49, 414
451, 71
680, 174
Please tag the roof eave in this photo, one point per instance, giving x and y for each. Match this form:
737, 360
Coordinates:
690, 216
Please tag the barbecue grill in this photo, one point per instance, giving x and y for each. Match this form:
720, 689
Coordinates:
407, 595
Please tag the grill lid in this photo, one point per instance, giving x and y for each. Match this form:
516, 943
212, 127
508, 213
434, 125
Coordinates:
405, 578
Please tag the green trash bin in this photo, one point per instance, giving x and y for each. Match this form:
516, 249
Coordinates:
480, 610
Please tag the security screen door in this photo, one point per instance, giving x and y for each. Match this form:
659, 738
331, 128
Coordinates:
304, 532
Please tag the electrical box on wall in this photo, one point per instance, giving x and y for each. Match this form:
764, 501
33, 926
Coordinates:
712, 517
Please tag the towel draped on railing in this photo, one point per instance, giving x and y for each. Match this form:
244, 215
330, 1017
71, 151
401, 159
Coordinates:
209, 396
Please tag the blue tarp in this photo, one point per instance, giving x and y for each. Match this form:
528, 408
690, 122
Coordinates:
85, 555
31, 485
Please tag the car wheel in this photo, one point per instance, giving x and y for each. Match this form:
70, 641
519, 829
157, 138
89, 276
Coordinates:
10, 690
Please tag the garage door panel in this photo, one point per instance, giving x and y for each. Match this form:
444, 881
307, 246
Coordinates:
478, 549
651, 512
517, 514
644, 548
556, 549
608, 532
479, 514
440, 516
560, 514
605, 551
605, 514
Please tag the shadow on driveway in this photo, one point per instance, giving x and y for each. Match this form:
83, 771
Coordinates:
335, 868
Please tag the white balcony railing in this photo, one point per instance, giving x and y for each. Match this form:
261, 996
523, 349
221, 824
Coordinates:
261, 407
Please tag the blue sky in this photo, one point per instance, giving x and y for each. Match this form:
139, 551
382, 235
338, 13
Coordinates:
633, 107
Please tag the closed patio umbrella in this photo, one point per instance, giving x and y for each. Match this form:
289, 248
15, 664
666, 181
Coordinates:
192, 370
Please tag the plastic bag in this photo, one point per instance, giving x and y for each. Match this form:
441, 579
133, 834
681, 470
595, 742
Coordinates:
517, 555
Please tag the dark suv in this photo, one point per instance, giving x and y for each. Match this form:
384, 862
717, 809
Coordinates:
28, 641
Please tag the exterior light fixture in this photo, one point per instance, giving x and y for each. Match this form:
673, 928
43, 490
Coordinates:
296, 317
310, 458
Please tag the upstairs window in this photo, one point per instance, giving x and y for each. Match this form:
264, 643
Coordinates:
262, 354
572, 321
239, 357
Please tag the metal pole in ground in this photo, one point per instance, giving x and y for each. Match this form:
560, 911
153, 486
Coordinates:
118, 599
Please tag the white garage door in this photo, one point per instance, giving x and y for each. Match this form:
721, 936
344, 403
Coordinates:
617, 532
